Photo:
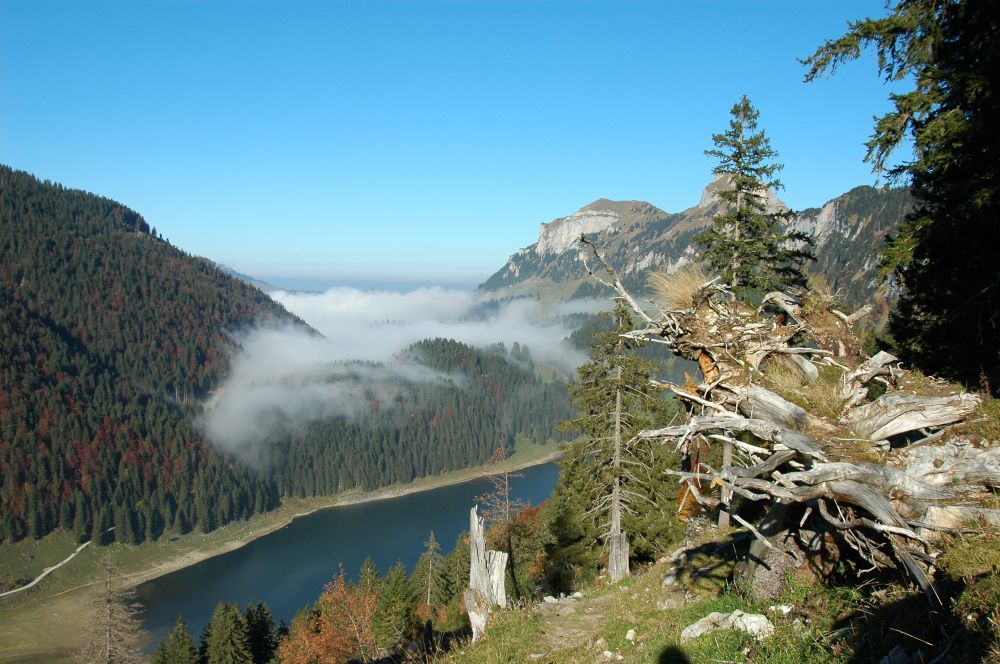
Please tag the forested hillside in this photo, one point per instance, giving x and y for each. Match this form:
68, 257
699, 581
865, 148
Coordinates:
109, 336
112, 338
428, 428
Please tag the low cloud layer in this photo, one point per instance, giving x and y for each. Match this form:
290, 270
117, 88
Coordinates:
284, 378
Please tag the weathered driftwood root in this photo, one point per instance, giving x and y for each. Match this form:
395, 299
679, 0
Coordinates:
792, 459
894, 414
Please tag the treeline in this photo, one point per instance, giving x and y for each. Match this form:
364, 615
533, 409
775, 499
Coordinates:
555, 548
366, 618
427, 428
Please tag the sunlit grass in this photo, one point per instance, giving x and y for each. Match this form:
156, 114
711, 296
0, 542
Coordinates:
676, 290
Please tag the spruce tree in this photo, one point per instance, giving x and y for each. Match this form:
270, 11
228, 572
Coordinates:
369, 577
428, 575
177, 648
615, 400
944, 256
262, 637
226, 640
394, 614
748, 244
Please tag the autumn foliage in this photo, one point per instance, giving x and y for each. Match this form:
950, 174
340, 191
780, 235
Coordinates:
337, 630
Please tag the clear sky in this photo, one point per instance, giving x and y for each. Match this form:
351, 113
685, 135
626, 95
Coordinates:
414, 140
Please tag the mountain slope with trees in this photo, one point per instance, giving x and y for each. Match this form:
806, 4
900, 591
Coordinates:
110, 340
494, 399
110, 337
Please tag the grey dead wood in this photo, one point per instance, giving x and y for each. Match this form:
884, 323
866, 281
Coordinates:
807, 468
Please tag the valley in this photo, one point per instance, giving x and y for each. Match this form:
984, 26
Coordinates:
26, 621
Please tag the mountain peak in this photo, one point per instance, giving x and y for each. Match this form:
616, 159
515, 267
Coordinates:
603, 215
710, 195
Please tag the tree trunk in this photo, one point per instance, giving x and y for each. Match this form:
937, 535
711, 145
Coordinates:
618, 556
486, 577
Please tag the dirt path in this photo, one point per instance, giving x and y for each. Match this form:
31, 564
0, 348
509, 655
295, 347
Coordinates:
45, 572
573, 622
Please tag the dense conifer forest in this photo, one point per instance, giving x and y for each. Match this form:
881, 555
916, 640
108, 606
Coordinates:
492, 398
111, 338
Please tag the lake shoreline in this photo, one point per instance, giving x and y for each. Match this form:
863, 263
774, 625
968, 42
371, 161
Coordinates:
429, 483
48, 624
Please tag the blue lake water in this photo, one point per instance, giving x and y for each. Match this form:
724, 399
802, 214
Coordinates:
288, 568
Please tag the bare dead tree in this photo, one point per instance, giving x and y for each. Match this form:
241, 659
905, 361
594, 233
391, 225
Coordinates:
500, 507
486, 577
116, 628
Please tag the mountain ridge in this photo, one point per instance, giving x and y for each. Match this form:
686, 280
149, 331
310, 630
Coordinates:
639, 237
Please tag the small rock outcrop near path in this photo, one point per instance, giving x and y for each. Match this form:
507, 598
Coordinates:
754, 624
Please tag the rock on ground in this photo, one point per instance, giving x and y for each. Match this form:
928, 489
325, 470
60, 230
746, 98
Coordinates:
754, 624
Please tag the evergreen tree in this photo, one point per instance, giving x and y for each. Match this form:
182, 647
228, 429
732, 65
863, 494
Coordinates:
456, 580
394, 615
226, 641
369, 577
747, 244
262, 637
428, 576
615, 400
177, 648
116, 632
944, 257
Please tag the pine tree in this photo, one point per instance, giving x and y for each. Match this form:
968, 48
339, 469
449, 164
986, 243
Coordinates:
944, 257
615, 399
116, 630
226, 641
747, 244
177, 648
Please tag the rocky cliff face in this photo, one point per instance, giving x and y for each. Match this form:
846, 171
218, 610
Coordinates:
639, 237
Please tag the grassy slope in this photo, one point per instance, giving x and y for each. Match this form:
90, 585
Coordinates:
49, 623
828, 623
846, 621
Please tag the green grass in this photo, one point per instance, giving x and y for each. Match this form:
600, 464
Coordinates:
508, 639
982, 424
26, 559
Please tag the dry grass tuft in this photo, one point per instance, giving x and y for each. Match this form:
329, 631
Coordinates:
820, 398
676, 290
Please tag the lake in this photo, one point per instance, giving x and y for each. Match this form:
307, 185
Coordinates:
288, 568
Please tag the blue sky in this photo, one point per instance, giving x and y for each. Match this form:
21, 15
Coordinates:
414, 140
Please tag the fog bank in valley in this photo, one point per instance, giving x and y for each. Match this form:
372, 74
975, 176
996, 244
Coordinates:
283, 378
